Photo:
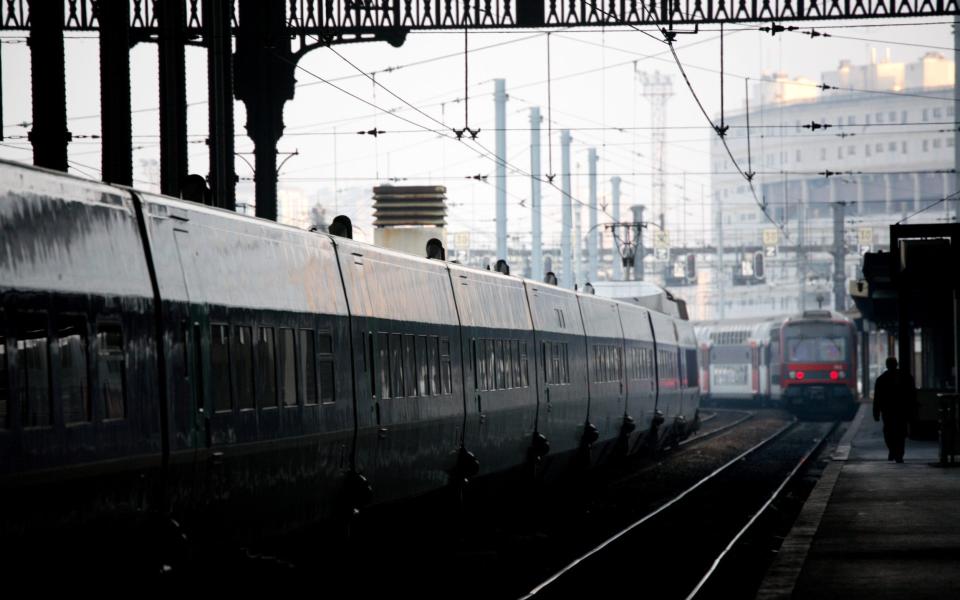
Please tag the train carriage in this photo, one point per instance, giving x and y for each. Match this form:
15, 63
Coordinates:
160, 358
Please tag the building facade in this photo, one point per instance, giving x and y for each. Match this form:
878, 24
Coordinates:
834, 166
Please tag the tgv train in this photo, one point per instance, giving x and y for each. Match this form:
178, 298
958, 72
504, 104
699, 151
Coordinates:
162, 357
803, 362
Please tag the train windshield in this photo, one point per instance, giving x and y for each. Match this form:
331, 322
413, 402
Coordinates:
819, 342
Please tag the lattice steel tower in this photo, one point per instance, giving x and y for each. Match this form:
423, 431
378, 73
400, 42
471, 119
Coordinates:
657, 88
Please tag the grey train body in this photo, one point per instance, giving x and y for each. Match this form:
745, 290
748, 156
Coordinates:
163, 357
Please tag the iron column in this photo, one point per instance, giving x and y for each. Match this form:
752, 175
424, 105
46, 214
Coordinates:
173, 97
116, 157
217, 34
48, 134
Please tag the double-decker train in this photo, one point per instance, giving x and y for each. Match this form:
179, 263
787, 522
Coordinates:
161, 357
806, 362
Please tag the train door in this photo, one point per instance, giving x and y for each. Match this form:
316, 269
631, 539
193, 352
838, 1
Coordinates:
195, 323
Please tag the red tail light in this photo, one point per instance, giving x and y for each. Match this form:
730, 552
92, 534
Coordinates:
800, 375
834, 375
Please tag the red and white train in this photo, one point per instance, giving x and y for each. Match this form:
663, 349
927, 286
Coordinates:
805, 362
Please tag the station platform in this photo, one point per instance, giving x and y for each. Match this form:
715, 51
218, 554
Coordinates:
872, 528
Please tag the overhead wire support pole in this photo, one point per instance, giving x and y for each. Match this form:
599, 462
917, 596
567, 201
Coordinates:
567, 276
592, 238
173, 96
500, 119
536, 249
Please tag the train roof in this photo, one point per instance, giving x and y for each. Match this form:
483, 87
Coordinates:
642, 294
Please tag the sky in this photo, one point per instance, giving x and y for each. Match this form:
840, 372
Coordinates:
593, 91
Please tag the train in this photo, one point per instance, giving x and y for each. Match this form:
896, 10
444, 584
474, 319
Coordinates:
163, 359
806, 362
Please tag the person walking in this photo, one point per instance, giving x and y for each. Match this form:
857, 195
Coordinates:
894, 399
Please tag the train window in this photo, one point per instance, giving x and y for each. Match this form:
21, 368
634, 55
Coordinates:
288, 368
491, 369
433, 354
547, 362
110, 368
72, 348
498, 351
4, 389
618, 356
409, 367
396, 365
422, 367
515, 363
445, 371
693, 373
508, 364
267, 368
243, 366
220, 366
34, 388
327, 377
524, 371
476, 364
308, 366
383, 363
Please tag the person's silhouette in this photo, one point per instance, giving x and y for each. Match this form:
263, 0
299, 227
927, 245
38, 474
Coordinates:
435, 249
341, 226
894, 399
194, 187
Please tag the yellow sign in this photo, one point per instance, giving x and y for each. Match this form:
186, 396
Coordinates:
661, 239
461, 240
771, 237
865, 236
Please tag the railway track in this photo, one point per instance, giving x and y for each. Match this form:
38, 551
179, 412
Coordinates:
677, 549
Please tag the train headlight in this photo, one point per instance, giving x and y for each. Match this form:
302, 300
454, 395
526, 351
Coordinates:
793, 374
834, 375
800, 375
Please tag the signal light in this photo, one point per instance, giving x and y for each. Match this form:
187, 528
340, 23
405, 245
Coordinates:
758, 272
800, 375
834, 375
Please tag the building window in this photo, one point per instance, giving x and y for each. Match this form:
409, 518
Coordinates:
903, 147
892, 116
839, 151
866, 120
926, 114
879, 148
936, 143
851, 120
926, 145
879, 117
823, 154
851, 150
798, 156
892, 147
903, 116
937, 113
950, 142
866, 150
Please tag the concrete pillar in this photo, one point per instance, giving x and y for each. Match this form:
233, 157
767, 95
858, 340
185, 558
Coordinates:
566, 277
500, 122
860, 204
48, 133
116, 159
887, 194
536, 245
592, 248
615, 251
916, 191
